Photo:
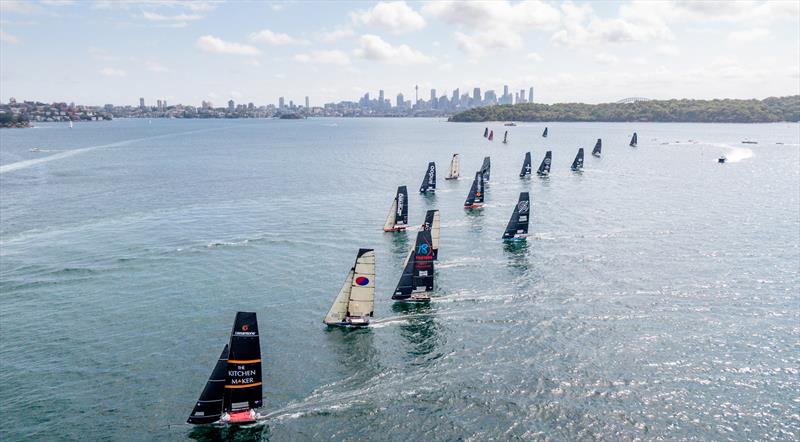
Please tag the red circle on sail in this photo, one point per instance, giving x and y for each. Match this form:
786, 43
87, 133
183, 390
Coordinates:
362, 281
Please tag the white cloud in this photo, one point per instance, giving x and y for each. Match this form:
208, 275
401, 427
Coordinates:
375, 48
527, 14
492, 38
153, 66
20, 7
533, 56
336, 34
58, 2
5, 37
209, 43
276, 7
755, 34
668, 50
604, 58
580, 26
272, 38
395, 16
152, 16
113, 72
324, 57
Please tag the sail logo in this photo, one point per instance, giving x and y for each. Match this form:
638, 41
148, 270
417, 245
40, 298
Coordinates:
431, 173
422, 249
547, 161
523, 207
400, 202
362, 281
245, 327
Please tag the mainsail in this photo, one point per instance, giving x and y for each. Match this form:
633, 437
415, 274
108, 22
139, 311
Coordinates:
526, 166
208, 408
475, 196
243, 374
486, 168
544, 134
491, 135
544, 168
362, 293
597, 147
433, 224
398, 214
486, 132
634, 140
416, 281
429, 181
577, 163
455, 168
518, 224
505, 138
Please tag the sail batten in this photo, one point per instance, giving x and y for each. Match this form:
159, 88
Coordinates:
577, 163
544, 167
518, 224
526, 166
455, 168
429, 181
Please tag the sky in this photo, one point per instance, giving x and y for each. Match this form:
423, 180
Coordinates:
99, 51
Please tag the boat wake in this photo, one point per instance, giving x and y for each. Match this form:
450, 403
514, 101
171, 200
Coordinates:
736, 154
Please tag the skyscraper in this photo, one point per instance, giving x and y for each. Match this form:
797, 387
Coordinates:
158, 103
476, 96
454, 100
401, 100
280, 103
433, 98
141, 102
505, 90
380, 96
521, 96
231, 105
530, 95
307, 106
416, 94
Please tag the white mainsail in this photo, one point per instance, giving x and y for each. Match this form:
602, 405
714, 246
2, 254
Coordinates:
455, 167
338, 310
362, 293
392, 218
435, 231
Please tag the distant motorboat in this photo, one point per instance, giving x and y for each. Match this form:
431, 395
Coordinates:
722, 159
37, 149
749, 142
510, 124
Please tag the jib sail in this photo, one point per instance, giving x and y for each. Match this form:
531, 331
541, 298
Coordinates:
544, 168
577, 163
429, 181
417, 275
526, 166
598, 146
338, 311
208, 408
518, 224
243, 373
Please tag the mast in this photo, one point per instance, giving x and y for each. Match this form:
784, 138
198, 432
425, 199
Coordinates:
338, 312
362, 292
243, 373
398, 214
526, 166
544, 167
544, 134
486, 168
208, 408
577, 163
518, 224
475, 195
417, 277
455, 168
429, 181
505, 138
597, 147
634, 140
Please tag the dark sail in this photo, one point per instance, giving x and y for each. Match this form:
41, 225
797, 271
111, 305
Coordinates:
418, 273
505, 137
429, 181
544, 168
208, 408
475, 195
491, 135
577, 163
486, 132
544, 134
243, 374
431, 225
526, 166
597, 147
402, 206
634, 140
486, 168
518, 224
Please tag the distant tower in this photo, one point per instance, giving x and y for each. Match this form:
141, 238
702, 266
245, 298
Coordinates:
141, 102
401, 101
530, 95
280, 103
416, 94
380, 96
231, 105
307, 106
476, 95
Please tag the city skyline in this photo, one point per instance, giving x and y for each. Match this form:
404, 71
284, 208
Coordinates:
189, 52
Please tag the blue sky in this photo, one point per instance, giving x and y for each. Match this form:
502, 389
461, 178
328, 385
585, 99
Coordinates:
97, 52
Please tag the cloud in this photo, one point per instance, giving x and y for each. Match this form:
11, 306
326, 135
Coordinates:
152, 16
492, 38
209, 43
580, 26
58, 2
527, 14
755, 34
113, 72
396, 17
20, 7
5, 37
604, 58
324, 57
336, 34
668, 50
272, 38
533, 56
375, 48
153, 66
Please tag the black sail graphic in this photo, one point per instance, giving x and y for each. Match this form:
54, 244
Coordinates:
429, 181
417, 276
475, 195
486, 168
486, 132
243, 374
634, 140
544, 168
208, 408
597, 147
577, 163
544, 134
526, 166
401, 216
518, 224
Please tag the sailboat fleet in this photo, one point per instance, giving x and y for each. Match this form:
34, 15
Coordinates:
233, 392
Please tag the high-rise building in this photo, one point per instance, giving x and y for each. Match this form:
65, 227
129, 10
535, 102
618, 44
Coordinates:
401, 100
280, 103
307, 106
490, 97
231, 105
454, 100
380, 96
416, 93
476, 96
505, 90
521, 96
141, 102
530, 95
433, 99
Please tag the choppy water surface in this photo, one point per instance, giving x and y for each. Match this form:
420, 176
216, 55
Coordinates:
658, 297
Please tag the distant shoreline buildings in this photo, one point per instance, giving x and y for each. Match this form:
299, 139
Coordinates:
443, 105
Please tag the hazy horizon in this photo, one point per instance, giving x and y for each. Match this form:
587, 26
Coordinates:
99, 52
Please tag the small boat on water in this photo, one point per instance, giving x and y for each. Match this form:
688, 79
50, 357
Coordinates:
518, 224
233, 391
526, 166
486, 133
635, 140
475, 196
432, 223
38, 149
505, 138
598, 146
491, 135
354, 304
455, 168
722, 159
577, 163
544, 134
70, 124
486, 168
544, 167
398, 214
749, 142
429, 181
416, 282
510, 124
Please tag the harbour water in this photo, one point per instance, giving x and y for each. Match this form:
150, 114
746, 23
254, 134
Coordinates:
658, 296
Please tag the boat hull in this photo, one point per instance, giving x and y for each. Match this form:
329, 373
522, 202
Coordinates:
474, 206
449, 178
395, 229
241, 417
